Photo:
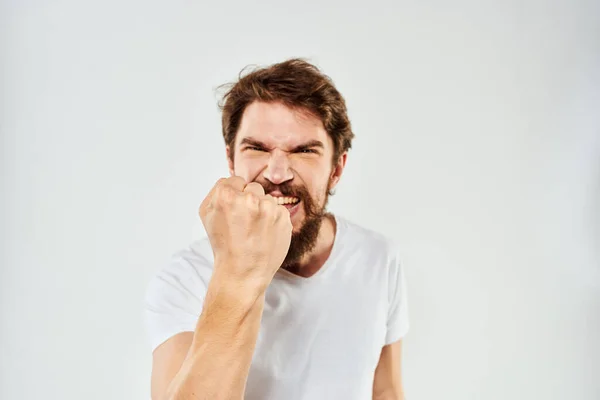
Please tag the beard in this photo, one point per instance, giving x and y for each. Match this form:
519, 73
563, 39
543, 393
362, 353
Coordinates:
305, 239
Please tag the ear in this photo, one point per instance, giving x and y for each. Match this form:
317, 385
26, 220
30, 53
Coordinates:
229, 160
337, 170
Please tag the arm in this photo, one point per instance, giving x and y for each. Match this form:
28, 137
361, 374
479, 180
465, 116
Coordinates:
214, 361
387, 384
250, 235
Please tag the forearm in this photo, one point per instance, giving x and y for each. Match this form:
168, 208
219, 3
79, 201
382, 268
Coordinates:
390, 394
218, 362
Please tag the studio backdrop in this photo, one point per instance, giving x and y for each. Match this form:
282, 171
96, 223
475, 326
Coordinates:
477, 149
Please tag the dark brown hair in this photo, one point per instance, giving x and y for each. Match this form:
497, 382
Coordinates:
297, 84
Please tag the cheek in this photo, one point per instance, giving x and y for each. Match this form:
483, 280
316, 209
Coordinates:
315, 177
318, 187
248, 167
314, 170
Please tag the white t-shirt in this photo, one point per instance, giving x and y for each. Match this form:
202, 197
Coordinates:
320, 337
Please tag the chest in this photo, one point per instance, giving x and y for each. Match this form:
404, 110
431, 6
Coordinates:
321, 342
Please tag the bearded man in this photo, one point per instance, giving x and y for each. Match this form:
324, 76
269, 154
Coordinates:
282, 300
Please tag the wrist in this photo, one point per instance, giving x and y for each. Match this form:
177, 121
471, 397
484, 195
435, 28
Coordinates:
239, 278
233, 292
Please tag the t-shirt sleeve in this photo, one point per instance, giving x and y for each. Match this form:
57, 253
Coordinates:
173, 300
397, 323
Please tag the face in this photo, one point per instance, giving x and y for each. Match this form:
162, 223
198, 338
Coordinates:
290, 154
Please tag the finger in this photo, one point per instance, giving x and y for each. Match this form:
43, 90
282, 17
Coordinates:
256, 188
269, 207
268, 204
270, 198
218, 183
207, 200
237, 182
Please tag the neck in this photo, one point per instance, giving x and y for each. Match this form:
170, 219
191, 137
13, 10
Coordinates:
312, 262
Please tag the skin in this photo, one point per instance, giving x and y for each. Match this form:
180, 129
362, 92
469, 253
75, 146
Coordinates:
277, 145
274, 144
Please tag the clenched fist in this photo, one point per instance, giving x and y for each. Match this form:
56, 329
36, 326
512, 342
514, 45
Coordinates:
249, 232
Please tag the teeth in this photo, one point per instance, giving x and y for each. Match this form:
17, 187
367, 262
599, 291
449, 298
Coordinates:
286, 200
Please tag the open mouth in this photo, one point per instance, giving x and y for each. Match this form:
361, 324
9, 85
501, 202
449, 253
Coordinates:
289, 202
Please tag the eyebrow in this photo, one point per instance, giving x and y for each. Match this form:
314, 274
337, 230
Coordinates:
253, 142
310, 144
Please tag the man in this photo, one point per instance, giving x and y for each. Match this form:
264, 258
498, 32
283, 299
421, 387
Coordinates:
282, 300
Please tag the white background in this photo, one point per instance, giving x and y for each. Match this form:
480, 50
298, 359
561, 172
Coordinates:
477, 148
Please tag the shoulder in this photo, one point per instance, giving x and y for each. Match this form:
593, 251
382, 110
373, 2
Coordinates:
375, 256
367, 240
175, 294
187, 270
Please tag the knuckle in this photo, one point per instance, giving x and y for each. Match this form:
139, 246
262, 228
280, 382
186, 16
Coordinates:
249, 196
225, 194
251, 200
268, 205
256, 187
220, 184
237, 180
268, 208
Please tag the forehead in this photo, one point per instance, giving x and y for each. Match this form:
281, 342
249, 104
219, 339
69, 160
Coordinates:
280, 126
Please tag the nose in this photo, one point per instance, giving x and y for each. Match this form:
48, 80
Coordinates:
278, 168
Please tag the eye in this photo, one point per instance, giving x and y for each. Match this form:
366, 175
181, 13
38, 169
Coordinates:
307, 151
254, 148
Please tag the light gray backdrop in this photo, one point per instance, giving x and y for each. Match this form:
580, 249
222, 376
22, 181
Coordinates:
477, 147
